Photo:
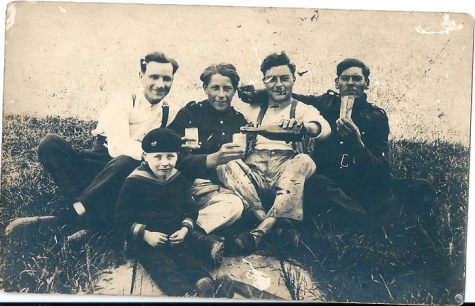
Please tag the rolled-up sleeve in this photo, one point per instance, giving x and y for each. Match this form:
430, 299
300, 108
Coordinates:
310, 114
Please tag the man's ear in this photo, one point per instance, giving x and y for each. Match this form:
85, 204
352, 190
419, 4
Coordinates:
367, 84
336, 82
205, 87
140, 74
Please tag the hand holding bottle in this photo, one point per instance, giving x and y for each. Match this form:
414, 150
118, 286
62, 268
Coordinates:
286, 130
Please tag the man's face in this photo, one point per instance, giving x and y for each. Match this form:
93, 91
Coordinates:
157, 81
351, 82
161, 163
220, 92
279, 82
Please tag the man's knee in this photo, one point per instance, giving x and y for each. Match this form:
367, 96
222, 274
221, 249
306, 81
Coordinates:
230, 172
319, 183
49, 143
302, 163
230, 167
117, 169
304, 159
123, 163
421, 189
227, 202
235, 207
427, 190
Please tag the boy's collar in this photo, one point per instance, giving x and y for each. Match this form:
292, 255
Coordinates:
145, 172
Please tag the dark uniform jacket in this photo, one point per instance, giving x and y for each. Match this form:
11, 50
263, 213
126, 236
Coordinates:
215, 128
363, 169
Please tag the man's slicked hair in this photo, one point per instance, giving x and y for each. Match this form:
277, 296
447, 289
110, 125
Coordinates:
159, 58
224, 69
352, 62
274, 60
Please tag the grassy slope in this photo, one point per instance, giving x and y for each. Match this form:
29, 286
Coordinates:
357, 266
41, 261
346, 265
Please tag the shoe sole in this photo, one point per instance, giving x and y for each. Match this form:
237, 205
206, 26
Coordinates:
28, 221
217, 253
242, 248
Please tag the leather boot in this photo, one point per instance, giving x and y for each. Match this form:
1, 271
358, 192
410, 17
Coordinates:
209, 246
204, 287
223, 286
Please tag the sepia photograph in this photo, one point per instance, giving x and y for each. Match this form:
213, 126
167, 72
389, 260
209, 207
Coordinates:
235, 153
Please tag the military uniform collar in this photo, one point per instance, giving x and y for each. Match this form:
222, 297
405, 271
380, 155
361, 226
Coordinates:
213, 111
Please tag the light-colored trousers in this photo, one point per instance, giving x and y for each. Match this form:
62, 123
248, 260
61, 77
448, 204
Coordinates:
218, 206
280, 174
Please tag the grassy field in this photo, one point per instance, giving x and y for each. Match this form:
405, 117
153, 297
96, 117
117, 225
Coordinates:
346, 265
69, 61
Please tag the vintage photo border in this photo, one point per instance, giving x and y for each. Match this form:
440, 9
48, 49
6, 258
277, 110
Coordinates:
409, 6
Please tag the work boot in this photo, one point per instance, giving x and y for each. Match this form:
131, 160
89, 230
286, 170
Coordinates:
204, 287
289, 239
247, 242
210, 246
224, 286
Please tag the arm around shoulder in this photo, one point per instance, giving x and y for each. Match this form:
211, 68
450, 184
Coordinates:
316, 125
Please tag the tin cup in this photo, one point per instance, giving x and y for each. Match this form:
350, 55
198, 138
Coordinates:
346, 107
240, 139
192, 135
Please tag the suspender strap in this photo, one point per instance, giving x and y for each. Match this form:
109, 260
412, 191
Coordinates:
262, 112
165, 113
253, 140
293, 106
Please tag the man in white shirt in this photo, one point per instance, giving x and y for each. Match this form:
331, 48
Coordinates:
90, 180
274, 171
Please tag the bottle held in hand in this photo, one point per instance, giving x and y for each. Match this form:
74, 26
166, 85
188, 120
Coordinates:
346, 107
276, 132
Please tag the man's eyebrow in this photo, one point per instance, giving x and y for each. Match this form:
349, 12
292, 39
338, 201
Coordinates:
158, 74
280, 75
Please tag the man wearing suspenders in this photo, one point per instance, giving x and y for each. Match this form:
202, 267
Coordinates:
90, 180
271, 179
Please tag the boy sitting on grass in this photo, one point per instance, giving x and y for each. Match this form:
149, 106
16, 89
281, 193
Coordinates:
156, 214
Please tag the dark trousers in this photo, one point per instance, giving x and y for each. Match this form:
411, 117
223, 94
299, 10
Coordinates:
174, 269
395, 205
91, 177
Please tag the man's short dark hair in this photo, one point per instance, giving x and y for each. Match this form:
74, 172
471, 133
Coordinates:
274, 60
225, 69
159, 58
352, 62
